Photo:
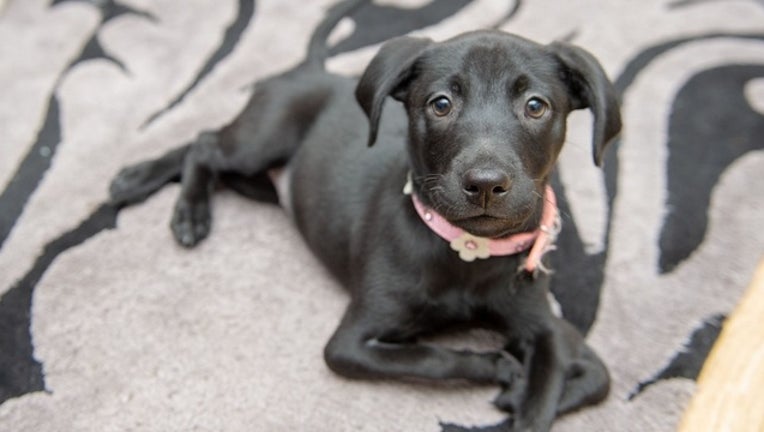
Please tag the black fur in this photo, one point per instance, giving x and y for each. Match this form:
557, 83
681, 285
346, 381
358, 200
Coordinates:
483, 165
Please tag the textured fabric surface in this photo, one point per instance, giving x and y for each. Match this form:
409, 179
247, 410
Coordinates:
107, 325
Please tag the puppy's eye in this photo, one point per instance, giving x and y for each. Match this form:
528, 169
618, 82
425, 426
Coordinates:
441, 106
535, 108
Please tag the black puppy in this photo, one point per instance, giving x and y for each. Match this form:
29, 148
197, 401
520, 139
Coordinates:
481, 125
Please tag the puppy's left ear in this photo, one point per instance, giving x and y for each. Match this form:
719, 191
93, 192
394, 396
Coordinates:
389, 73
590, 87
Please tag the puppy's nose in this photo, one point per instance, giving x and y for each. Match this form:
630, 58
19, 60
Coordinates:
481, 185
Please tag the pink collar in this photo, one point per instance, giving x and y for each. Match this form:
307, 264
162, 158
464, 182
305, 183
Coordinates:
470, 246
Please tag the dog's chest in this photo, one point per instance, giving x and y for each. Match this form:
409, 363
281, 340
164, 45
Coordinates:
466, 287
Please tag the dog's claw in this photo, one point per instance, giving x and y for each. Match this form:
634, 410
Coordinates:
191, 222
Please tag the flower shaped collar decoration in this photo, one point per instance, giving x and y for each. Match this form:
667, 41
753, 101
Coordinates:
471, 247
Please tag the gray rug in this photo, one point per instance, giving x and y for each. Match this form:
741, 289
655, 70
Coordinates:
107, 325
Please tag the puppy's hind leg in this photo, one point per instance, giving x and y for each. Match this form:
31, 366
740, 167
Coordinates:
194, 164
258, 187
137, 182
191, 218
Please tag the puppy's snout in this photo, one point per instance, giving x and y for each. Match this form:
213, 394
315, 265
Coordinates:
481, 185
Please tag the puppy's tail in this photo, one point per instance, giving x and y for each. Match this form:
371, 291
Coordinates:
318, 51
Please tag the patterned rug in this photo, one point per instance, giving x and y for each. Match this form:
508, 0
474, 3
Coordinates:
107, 325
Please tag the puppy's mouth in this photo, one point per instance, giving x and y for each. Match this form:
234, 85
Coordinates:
491, 226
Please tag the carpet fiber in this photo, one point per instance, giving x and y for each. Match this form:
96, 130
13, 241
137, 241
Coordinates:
107, 325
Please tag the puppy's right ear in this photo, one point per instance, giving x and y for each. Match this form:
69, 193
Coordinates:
388, 74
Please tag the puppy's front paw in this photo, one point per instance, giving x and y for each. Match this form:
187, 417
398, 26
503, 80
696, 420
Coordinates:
514, 383
508, 370
191, 221
505, 426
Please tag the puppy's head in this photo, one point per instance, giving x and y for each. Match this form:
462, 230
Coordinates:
487, 114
